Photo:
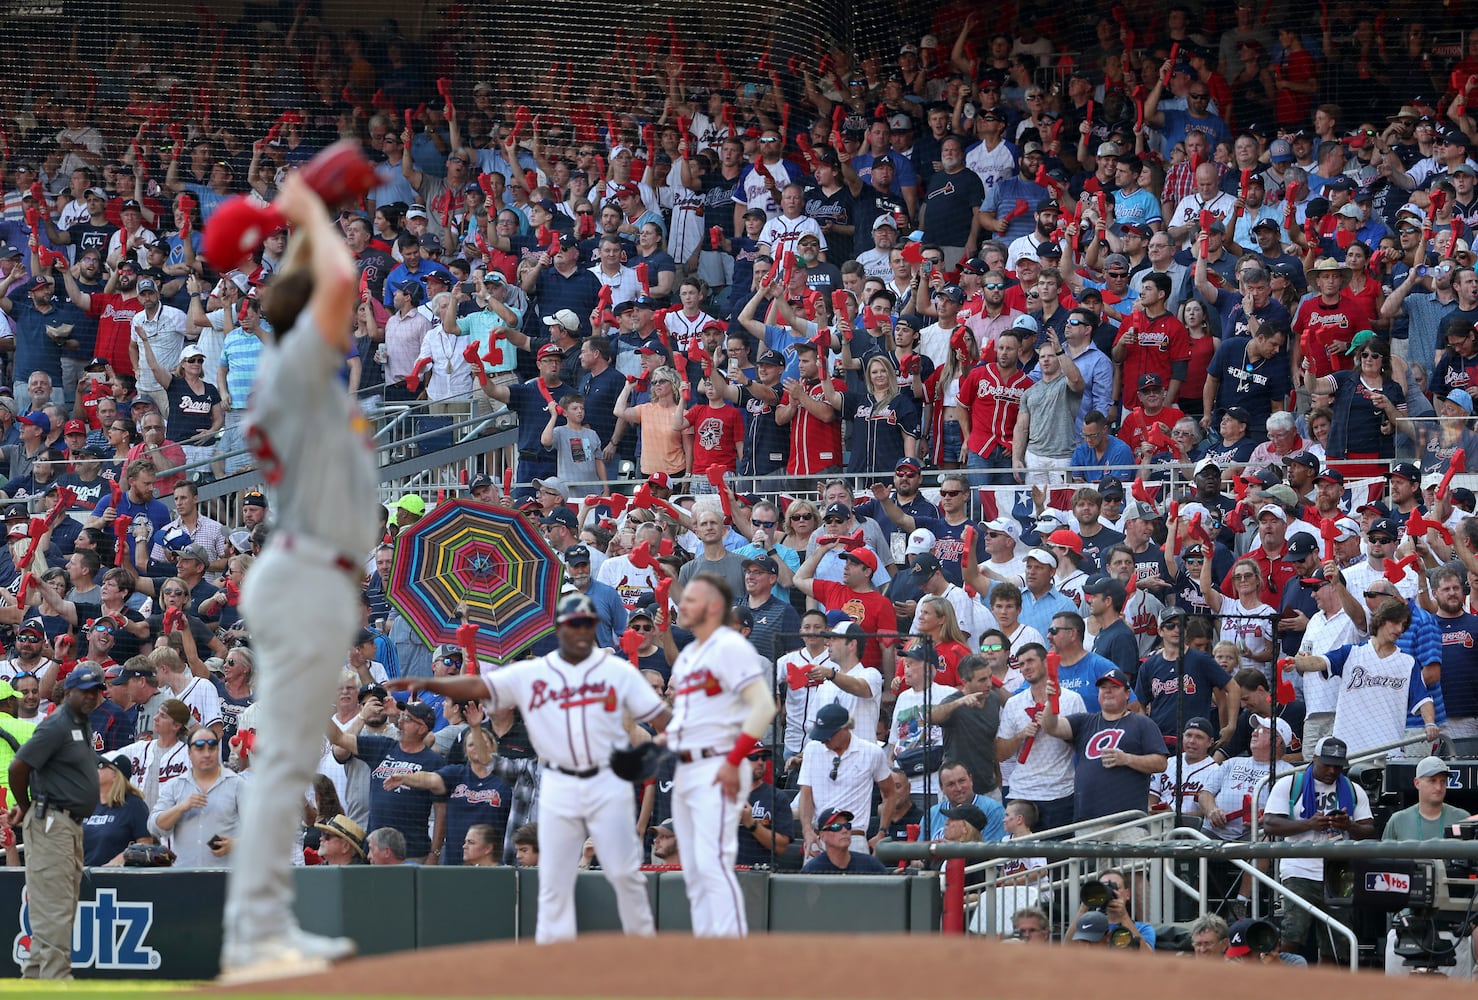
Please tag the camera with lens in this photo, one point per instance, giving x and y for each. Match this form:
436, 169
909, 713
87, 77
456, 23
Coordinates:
1096, 896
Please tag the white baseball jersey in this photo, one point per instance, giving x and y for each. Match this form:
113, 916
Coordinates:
573, 710
9, 668
203, 700
628, 581
684, 329
1205, 775
992, 165
1239, 776
1048, 772
707, 710
1375, 696
1321, 694
1362, 574
801, 704
155, 766
1188, 213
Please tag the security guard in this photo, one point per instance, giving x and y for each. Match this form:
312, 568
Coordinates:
58, 768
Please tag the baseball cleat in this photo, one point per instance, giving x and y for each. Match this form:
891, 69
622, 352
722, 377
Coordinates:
278, 958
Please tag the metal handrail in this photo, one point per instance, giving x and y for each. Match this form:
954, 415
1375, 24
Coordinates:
1186, 833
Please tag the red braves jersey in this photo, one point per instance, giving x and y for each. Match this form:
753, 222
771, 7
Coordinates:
573, 710
1133, 429
717, 431
1162, 342
994, 402
1320, 328
115, 328
707, 709
814, 443
870, 609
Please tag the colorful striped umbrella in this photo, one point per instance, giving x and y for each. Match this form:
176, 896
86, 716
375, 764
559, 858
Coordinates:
492, 558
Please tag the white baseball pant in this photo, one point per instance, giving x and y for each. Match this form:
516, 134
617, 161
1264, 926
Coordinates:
305, 614
707, 826
603, 808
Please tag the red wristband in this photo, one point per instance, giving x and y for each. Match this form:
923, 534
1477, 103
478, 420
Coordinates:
742, 746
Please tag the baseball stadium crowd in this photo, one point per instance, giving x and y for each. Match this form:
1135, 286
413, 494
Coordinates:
1058, 395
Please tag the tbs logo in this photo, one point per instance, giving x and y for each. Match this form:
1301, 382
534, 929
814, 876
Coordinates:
1387, 882
107, 934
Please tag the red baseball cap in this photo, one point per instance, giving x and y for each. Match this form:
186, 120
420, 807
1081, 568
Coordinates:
1067, 539
866, 557
74, 427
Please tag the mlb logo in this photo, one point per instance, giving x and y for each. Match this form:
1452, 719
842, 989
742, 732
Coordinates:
1387, 882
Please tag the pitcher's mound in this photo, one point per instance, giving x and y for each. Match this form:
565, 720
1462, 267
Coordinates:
857, 966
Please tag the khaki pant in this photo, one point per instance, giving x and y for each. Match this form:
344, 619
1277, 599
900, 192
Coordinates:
53, 878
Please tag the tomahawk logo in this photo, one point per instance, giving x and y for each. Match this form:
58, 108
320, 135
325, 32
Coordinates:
1387, 882
107, 934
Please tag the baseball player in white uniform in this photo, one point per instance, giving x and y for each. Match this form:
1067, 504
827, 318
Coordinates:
721, 707
572, 701
302, 597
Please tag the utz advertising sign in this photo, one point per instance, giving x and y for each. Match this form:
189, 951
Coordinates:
130, 923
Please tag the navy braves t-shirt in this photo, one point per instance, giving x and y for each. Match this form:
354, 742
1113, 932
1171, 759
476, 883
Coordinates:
1159, 686
1459, 666
471, 800
406, 809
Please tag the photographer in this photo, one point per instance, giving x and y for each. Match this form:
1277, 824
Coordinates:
1117, 909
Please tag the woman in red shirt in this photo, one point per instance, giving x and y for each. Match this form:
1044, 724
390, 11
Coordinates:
1365, 289
1203, 348
936, 619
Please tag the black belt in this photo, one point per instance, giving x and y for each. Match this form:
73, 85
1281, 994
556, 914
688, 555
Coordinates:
688, 756
588, 773
45, 807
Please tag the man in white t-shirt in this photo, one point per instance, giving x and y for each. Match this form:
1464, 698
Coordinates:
1316, 805
1329, 628
912, 744
857, 688
1046, 778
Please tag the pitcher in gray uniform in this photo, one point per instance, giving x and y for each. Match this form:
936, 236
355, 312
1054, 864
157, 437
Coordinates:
302, 597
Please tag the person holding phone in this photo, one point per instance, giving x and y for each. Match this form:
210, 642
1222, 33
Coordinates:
1315, 804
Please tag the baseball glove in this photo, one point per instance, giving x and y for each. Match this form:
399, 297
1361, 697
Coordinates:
637, 763
147, 856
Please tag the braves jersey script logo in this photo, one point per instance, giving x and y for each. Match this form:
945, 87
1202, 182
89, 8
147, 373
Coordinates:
567, 698
114, 313
994, 390
1108, 739
1154, 340
1159, 687
1329, 320
478, 796
1361, 678
1458, 637
703, 681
